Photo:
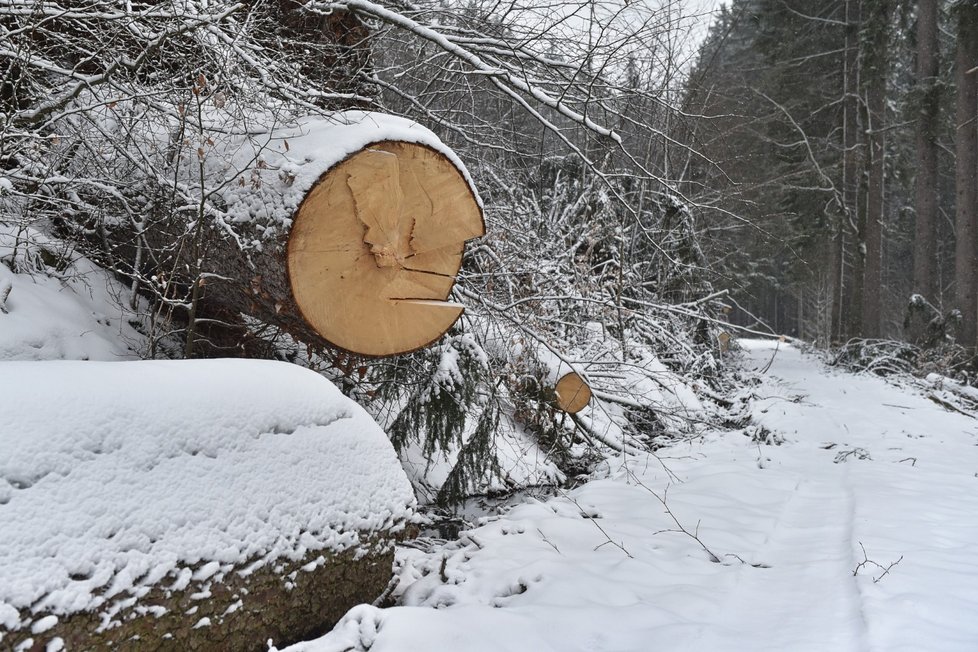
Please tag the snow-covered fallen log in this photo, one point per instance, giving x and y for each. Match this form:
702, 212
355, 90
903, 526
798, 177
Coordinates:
346, 228
187, 505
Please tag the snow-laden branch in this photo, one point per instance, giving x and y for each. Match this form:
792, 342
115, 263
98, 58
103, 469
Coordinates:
84, 82
467, 55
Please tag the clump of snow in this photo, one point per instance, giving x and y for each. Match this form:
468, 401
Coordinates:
69, 311
118, 476
264, 178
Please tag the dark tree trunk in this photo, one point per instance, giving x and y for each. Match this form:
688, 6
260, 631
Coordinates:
834, 259
876, 76
966, 174
850, 296
837, 246
928, 120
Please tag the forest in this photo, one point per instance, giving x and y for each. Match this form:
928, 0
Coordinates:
614, 194
844, 140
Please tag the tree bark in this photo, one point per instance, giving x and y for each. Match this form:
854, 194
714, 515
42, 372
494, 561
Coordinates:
876, 72
966, 174
283, 602
835, 283
928, 120
850, 293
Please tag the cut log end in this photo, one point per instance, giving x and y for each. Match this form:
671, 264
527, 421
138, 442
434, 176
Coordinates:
376, 245
572, 393
724, 340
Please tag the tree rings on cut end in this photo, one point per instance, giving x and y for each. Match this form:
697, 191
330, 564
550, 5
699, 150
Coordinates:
724, 339
572, 392
375, 247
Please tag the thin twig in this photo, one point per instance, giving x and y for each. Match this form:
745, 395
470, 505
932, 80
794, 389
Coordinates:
869, 562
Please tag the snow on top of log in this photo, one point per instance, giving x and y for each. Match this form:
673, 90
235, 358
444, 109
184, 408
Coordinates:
115, 476
265, 178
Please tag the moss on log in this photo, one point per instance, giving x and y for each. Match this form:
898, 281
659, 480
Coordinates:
282, 601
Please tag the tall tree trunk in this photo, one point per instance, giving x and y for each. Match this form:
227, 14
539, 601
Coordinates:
876, 72
966, 174
928, 120
834, 282
849, 294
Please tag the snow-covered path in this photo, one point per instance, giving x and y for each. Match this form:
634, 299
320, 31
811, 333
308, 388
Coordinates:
914, 495
868, 474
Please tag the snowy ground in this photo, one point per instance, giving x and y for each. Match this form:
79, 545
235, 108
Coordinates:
858, 532
69, 311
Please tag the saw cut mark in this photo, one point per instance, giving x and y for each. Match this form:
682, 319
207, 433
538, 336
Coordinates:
376, 245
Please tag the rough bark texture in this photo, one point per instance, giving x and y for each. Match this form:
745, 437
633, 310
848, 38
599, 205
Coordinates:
966, 174
836, 251
928, 120
279, 601
876, 72
850, 294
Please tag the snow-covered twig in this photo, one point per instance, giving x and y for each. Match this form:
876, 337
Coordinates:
869, 562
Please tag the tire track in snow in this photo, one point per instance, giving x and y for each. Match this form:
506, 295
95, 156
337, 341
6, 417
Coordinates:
807, 599
915, 499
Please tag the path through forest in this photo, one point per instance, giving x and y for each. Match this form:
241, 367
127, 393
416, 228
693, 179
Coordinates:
857, 532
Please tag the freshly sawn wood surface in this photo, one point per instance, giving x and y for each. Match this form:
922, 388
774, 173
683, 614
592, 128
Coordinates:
572, 392
375, 247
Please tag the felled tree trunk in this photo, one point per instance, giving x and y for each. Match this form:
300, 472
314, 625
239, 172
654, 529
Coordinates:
239, 614
359, 243
560, 383
376, 245
572, 392
248, 500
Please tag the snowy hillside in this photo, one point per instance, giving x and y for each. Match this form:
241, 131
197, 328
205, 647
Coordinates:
58, 305
856, 532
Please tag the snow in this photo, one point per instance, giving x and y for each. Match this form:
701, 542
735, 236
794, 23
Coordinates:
115, 476
266, 177
42, 625
855, 533
46, 314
